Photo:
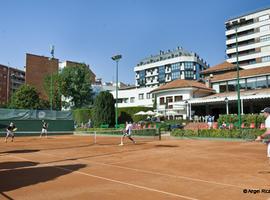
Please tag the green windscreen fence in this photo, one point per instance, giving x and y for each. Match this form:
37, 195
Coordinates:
30, 121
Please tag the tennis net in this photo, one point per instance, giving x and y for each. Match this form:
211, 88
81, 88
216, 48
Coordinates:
113, 136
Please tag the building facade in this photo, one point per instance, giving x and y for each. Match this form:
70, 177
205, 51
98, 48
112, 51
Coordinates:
168, 66
10, 80
37, 68
173, 99
133, 97
253, 35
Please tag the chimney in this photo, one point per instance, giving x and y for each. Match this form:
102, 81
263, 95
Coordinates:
208, 81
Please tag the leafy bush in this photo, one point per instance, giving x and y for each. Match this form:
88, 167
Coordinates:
82, 115
219, 133
247, 119
127, 114
103, 110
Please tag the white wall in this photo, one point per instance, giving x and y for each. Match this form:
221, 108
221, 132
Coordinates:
134, 93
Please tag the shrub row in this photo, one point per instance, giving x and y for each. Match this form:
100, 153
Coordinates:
219, 133
246, 119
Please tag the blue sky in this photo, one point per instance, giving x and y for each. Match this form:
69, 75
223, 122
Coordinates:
91, 31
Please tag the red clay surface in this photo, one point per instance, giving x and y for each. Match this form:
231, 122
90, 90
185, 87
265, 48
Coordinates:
71, 167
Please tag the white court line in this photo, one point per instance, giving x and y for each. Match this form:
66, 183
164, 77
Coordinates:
113, 180
154, 173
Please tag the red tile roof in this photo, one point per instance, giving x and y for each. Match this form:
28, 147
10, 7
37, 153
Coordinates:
242, 73
220, 67
183, 84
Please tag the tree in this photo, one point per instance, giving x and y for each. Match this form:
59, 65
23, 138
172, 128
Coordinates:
52, 86
103, 110
26, 97
76, 86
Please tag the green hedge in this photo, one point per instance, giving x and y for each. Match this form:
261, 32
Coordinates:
127, 114
219, 133
246, 119
82, 115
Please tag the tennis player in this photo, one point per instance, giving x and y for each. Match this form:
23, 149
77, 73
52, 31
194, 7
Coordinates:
127, 133
266, 113
10, 131
44, 128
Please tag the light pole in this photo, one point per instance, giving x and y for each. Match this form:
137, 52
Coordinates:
116, 58
51, 88
186, 102
227, 105
236, 24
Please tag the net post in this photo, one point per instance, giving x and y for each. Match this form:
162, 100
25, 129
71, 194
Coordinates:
159, 134
95, 137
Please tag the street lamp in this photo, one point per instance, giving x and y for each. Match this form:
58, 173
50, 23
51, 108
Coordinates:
236, 24
51, 87
227, 106
116, 58
186, 102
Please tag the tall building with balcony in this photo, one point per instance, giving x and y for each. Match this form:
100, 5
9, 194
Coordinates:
10, 80
253, 35
168, 66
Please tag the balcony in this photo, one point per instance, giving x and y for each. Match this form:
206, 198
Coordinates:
168, 70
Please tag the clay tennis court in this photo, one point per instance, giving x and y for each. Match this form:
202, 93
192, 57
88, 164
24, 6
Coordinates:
72, 167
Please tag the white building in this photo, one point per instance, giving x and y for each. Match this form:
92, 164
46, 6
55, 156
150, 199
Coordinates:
158, 70
253, 31
168, 66
132, 97
173, 99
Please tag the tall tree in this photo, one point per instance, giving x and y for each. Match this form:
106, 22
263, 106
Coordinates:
26, 97
52, 86
76, 86
104, 110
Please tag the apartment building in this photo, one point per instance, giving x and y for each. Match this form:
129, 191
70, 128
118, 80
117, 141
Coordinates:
168, 66
37, 68
253, 39
10, 80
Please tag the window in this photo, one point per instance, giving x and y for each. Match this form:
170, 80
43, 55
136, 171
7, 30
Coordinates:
175, 75
178, 98
141, 96
261, 82
141, 81
242, 84
251, 83
189, 75
263, 18
266, 59
189, 66
265, 48
232, 86
161, 74
264, 38
216, 87
132, 99
148, 96
264, 28
222, 87
169, 99
175, 66
161, 101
